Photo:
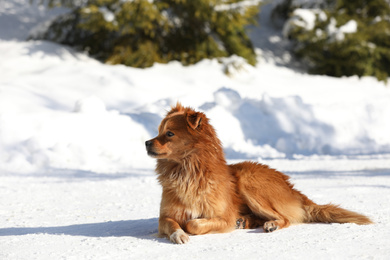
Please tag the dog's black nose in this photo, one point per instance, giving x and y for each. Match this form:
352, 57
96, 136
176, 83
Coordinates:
148, 143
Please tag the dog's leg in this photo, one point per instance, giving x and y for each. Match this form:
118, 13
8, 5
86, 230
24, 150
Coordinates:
172, 229
202, 225
270, 196
276, 220
249, 222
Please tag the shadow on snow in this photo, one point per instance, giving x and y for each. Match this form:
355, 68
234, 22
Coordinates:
139, 228
379, 172
81, 175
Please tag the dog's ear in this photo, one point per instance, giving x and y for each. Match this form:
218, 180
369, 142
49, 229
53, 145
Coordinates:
194, 119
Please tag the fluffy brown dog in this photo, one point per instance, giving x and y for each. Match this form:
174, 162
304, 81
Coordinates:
202, 194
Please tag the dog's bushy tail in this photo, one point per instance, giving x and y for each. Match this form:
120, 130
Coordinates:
330, 213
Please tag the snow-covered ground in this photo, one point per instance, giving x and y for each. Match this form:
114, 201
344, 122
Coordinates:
76, 183
68, 214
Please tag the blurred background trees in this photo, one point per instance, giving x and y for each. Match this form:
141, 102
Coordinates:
340, 37
140, 32
330, 37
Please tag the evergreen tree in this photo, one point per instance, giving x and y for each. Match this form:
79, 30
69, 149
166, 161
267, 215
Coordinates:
140, 32
333, 47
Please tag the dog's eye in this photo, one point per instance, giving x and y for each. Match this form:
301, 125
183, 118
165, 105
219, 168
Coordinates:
170, 134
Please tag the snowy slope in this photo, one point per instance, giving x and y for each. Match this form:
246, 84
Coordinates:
273, 111
76, 183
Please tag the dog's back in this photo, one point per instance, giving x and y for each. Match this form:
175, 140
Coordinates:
270, 196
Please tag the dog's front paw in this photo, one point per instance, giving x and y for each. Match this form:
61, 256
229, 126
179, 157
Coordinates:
179, 237
270, 226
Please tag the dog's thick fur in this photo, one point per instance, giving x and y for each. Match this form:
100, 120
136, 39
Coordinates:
202, 194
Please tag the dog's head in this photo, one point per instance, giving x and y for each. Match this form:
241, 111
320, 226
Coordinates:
182, 132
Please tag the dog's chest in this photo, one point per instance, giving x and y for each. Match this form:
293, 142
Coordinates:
196, 195
196, 210
198, 203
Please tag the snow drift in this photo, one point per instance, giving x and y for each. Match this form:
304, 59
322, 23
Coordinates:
62, 109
